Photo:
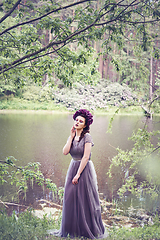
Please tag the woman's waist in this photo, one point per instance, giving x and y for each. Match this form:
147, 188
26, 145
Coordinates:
78, 159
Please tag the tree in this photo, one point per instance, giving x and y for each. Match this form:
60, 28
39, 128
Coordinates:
24, 25
137, 169
19, 176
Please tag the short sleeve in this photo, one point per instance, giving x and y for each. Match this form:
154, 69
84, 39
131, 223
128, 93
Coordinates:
88, 139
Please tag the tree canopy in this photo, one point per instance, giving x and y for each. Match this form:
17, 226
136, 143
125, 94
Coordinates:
34, 34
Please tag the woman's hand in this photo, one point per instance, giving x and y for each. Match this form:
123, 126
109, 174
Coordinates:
75, 179
67, 146
73, 132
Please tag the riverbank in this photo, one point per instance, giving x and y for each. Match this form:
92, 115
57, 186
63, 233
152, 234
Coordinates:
16, 111
17, 105
132, 110
37, 223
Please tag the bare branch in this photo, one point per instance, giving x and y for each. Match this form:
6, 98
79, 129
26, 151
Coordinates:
138, 22
12, 204
154, 150
141, 22
3, 203
9, 13
156, 98
126, 7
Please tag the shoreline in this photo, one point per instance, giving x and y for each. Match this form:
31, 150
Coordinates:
96, 112
17, 111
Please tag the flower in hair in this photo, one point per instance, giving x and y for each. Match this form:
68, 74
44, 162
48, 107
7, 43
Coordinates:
86, 114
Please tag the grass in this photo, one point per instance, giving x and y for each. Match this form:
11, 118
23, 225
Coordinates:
24, 227
21, 104
28, 227
145, 233
12, 104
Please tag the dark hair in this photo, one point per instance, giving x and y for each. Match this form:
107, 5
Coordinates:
88, 120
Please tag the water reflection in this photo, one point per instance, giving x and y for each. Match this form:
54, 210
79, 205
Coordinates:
41, 137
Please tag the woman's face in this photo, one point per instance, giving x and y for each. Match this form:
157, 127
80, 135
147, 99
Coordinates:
79, 123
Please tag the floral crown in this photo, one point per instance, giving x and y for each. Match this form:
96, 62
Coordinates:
86, 114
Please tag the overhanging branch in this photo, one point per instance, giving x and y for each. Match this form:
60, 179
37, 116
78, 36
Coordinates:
51, 44
9, 13
39, 18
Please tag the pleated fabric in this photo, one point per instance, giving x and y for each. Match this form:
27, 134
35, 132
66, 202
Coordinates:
81, 215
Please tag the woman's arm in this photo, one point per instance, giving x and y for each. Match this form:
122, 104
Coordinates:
67, 147
87, 151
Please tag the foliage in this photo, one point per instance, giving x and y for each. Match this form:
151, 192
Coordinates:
152, 106
99, 96
22, 104
36, 93
27, 52
24, 227
158, 78
7, 89
138, 167
20, 175
81, 66
145, 233
133, 68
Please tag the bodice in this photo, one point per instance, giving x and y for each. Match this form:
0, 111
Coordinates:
77, 148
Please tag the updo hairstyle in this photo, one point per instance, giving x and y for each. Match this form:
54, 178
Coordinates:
88, 120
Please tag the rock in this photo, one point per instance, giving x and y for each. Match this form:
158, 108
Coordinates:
49, 212
49, 204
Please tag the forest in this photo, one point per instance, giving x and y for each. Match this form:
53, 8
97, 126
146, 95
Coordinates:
102, 55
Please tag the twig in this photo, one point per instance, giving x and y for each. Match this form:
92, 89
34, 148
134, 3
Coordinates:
4, 204
15, 204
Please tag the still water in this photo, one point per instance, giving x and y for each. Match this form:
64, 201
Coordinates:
39, 137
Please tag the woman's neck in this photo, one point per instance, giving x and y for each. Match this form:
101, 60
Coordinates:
78, 132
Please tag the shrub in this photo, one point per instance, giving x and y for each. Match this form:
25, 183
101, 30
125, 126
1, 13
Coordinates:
94, 96
24, 227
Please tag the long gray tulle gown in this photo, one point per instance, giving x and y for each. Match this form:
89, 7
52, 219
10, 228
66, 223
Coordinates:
81, 215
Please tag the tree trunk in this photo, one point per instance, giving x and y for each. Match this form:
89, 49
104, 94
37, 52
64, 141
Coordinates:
151, 79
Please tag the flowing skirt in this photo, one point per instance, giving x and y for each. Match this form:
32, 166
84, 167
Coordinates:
81, 215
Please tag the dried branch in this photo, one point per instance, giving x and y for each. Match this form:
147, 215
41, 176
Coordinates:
12, 204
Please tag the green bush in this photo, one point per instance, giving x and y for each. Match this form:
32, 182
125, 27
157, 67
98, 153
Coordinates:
24, 227
99, 96
145, 233
21, 104
93, 97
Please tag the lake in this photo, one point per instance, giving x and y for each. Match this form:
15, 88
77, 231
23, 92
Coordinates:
40, 137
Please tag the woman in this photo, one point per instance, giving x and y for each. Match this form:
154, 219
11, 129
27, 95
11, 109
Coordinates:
81, 216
